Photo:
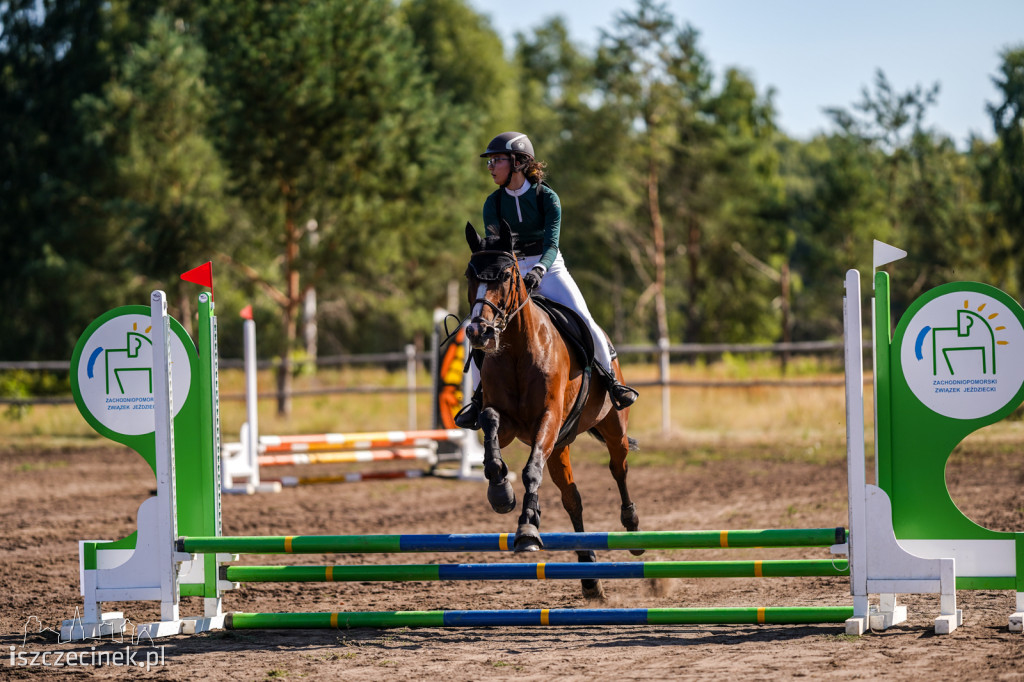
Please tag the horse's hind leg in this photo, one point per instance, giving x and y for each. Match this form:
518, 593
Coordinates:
613, 430
561, 473
499, 491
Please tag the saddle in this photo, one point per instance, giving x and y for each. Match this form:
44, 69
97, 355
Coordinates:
578, 339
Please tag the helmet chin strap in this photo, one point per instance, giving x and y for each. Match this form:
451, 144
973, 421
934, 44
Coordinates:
512, 166
515, 167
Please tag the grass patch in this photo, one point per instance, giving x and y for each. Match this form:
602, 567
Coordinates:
26, 467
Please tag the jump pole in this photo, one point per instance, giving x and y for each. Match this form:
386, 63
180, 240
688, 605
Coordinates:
610, 570
765, 615
502, 542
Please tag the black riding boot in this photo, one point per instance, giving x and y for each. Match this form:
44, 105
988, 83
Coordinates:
469, 416
621, 396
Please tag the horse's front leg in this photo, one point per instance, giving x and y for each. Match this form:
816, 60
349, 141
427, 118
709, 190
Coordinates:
499, 491
528, 533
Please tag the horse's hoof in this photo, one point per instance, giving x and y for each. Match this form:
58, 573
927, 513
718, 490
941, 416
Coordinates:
501, 496
527, 539
593, 590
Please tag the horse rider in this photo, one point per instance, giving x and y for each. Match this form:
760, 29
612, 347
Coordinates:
533, 211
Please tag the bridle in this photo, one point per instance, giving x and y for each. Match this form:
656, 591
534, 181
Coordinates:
501, 315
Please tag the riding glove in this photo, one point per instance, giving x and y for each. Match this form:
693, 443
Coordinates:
533, 277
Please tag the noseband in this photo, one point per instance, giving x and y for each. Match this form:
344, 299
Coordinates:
492, 272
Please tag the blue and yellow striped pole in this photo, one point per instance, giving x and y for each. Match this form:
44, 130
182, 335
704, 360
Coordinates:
774, 615
780, 568
486, 542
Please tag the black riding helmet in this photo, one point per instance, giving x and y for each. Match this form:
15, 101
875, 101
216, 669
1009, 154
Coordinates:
517, 145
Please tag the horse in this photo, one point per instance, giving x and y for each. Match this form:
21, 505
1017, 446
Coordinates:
530, 380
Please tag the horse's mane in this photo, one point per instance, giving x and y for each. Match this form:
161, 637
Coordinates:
493, 242
495, 253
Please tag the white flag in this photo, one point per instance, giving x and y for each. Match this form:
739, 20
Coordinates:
883, 253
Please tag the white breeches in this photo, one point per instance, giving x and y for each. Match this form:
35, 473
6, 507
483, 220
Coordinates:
559, 286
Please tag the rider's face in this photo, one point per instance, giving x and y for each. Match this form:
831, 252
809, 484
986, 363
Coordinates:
499, 166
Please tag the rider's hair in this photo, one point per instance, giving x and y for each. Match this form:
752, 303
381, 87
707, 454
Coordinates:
534, 171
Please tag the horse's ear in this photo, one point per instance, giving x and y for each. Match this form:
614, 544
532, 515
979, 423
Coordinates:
505, 235
472, 238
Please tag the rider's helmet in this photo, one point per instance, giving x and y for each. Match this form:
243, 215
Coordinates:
517, 145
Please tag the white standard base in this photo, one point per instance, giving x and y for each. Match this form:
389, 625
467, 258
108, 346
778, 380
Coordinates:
857, 625
111, 624
946, 624
115, 625
883, 620
1017, 622
191, 626
877, 620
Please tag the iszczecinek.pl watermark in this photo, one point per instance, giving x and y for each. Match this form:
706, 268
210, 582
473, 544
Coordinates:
146, 658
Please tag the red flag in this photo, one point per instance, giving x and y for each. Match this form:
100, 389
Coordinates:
203, 275
246, 312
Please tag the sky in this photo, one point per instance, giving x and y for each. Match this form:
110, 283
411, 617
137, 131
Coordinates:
823, 53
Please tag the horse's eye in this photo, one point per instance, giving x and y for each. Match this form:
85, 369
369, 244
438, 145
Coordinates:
506, 276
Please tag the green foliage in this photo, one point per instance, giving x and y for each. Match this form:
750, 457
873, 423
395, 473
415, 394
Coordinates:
25, 384
163, 200
1002, 177
331, 146
336, 140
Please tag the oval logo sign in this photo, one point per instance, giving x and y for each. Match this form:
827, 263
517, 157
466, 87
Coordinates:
961, 354
115, 374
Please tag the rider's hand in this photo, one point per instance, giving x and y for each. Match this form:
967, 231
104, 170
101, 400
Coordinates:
533, 277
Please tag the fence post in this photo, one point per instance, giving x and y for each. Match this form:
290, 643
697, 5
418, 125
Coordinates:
410, 373
666, 402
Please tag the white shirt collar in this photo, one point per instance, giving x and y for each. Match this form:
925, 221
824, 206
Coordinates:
521, 191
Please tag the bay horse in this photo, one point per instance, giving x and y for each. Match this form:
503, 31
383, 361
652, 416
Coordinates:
530, 380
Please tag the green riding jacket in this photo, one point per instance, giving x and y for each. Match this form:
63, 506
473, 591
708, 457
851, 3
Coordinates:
534, 234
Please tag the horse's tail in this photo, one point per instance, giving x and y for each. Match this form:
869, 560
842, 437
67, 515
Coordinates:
634, 444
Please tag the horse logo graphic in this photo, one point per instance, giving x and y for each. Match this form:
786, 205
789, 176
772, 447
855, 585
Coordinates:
129, 360
971, 341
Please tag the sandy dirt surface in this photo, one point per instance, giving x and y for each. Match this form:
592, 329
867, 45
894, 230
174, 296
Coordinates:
51, 499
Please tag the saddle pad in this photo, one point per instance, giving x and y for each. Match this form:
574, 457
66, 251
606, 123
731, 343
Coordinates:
572, 328
577, 336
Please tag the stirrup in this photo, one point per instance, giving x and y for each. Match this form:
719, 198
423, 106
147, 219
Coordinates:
469, 416
622, 396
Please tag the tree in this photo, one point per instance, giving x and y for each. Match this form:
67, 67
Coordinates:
56, 273
653, 73
929, 204
164, 196
1002, 176
704, 167
328, 121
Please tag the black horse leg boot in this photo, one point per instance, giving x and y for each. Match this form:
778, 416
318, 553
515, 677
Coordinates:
469, 416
